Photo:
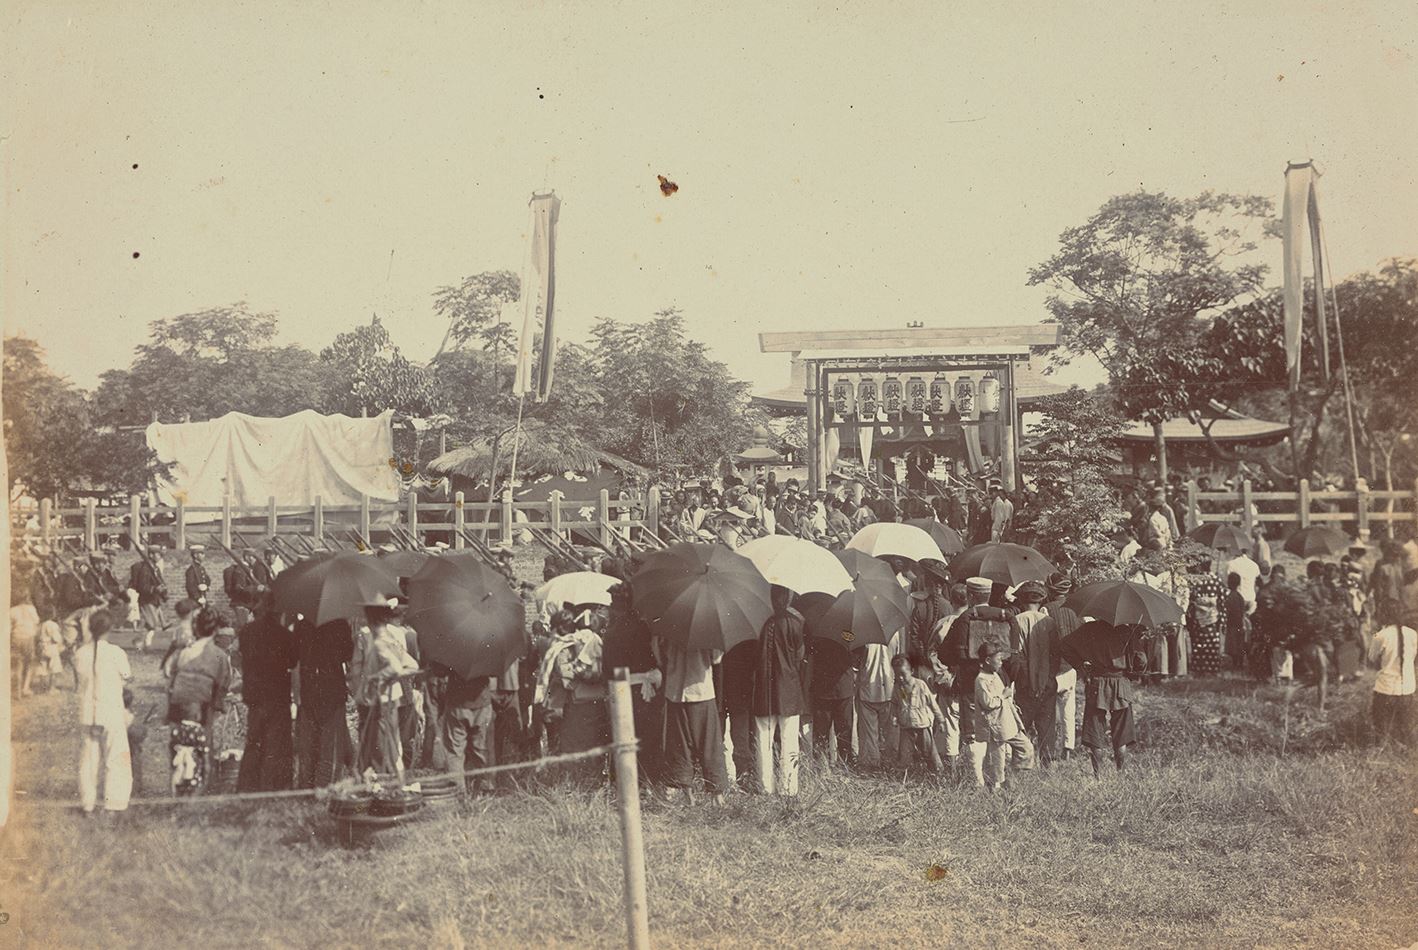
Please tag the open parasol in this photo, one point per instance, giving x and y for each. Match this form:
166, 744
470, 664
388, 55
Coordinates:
1121, 603
1317, 541
333, 587
701, 596
799, 565
945, 537
576, 588
1221, 536
404, 563
1001, 562
889, 539
872, 611
466, 616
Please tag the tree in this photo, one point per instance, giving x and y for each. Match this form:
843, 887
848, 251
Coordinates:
205, 364
367, 374
1130, 284
1076, 511
53, 445
1380, 322
474, 304
666, 403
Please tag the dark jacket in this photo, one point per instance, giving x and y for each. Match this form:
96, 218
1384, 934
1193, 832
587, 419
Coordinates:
323, 652
777, 681
268, 654
197, 576
145, 580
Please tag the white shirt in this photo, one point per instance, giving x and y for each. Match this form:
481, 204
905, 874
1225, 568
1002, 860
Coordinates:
1383, 653
877, 680
1129, 551
1248, 571
101, 684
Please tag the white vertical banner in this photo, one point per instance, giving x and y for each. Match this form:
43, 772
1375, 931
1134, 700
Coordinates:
1300, 213
539, 297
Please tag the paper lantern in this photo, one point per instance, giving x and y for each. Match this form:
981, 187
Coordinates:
867, 398
940, 396
916, 395
964, 396
891, 396
844, 401
989, 393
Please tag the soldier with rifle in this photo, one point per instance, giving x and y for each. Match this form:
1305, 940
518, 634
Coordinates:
146, 577
197, 579
239, 582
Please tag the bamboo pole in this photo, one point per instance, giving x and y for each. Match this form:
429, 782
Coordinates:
632, 842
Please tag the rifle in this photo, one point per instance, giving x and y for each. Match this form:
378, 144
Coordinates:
286, 549
361, 542
235, 558
332, 539
405, 537
479, 549
555, 544
305, 543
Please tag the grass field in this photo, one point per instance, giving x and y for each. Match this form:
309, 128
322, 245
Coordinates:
1239, 825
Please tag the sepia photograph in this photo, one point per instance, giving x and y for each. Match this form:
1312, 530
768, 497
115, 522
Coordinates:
544, 474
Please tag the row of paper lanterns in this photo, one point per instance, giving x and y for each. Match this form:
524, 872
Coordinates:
866, 395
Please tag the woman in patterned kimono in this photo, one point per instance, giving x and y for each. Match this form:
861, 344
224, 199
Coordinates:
1206, 621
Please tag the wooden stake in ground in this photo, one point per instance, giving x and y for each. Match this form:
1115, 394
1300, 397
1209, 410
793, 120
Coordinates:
627, 781
7, 763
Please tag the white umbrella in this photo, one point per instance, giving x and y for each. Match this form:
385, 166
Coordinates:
578, 587
799, 565
898, 540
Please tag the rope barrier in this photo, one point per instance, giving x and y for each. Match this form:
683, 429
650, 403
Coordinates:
320, 792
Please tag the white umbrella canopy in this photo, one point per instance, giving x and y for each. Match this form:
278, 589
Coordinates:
576, 588
799, 565
899, 540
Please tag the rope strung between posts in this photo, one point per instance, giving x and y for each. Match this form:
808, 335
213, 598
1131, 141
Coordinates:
319, 792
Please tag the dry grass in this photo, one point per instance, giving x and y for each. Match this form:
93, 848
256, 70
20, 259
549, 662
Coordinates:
1215, 838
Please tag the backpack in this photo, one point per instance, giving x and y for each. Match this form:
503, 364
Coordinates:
975, 628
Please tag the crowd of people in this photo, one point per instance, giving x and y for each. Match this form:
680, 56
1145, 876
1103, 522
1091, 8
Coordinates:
982, 681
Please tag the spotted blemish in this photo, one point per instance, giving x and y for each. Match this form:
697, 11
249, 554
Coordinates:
667, 187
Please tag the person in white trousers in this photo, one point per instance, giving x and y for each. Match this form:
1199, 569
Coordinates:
778, 701
102, 670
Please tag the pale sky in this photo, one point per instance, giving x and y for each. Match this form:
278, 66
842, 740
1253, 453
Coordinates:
895, 162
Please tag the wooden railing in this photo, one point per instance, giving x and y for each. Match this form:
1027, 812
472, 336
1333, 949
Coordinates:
95, 526
1358, 513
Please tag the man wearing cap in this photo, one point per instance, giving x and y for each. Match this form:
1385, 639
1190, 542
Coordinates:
1065, 621
929, 606
976, 626
241, 590
196, 577
1035, 669
146, 578
261, 569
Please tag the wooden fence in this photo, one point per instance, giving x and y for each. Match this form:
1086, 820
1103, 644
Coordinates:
1359, 513
430, 522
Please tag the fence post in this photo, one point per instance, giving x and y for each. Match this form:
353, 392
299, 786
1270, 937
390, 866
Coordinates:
1247, 513
90, 524
632, 842
603, 515
554, 511
364, 519
460, 521
1302, 503
1361, 508
413, 517
46, 525
135, 520
318, 521
273, 522
226, 520
509, 516
1193, 506
179, 526
652, 510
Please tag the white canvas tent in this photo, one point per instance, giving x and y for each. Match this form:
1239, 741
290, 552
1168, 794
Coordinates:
293, 459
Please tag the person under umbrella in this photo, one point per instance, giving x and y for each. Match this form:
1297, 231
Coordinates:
1064, 621
1035, 668
380, 665
693, 731
322, 733
929, 606
268, 654
1107, 656
778, 701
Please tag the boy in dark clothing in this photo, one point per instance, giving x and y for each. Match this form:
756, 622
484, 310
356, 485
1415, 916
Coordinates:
833, 693
1236, 622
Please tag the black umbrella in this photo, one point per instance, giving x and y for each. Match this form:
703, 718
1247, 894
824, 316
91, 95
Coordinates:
1317, 541
466, 616
1001, 562
873, 611
332, 588
701, 596
945, 537
1121, 603
1221, 536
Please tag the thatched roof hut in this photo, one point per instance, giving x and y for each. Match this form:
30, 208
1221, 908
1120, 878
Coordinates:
543, 451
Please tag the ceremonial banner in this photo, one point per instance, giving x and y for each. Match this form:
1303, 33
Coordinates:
539, 294
1300, 213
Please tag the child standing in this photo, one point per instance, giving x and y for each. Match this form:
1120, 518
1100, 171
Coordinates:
1000, 720
917, 712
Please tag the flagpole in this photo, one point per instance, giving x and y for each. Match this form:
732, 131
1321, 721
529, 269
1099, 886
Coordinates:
1343, 365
